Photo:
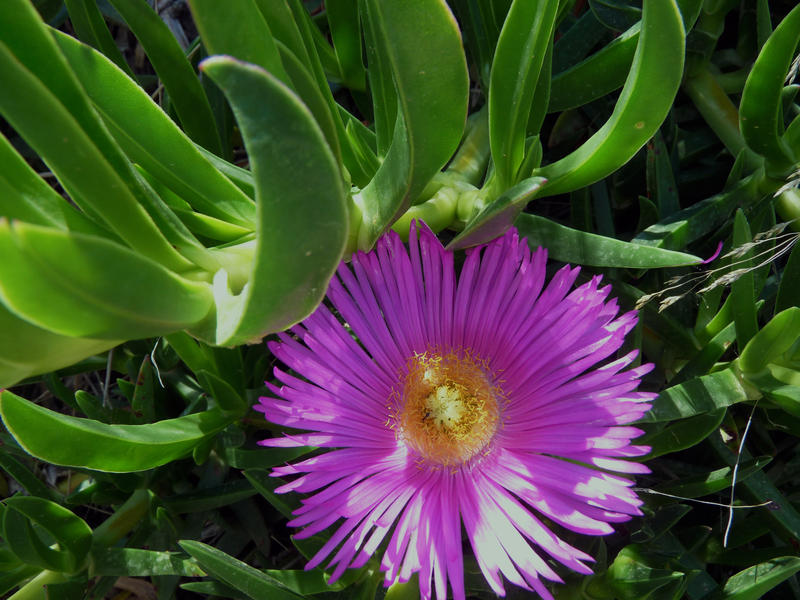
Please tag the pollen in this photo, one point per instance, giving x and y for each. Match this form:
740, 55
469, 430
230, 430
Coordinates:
448, 407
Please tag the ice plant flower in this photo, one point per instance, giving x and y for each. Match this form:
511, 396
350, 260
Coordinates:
469, 401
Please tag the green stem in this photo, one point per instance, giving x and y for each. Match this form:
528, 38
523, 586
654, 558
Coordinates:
36, 588
472, 157
788, 207
126, 517
716, 108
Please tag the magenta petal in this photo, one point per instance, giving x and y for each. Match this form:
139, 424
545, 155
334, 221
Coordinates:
546, 349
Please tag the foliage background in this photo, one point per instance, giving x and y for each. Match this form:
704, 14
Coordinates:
628, 137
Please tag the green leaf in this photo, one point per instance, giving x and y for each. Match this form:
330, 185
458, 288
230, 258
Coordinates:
580, 247
133, 562
27, 197
755, 581
223, 392
596, 76
265, 484
239, 575
27, 350
760, 110
694, 222
71, 284
73, 535
769, 344
89, 25
301, 229
643, 104
150, 137
303, 81
615, 14
27, 479
759, 487
518, 59
51, 112
174, 70
238, 29
74, 442
789, 287
631, 578
498, 216
713, 481
226, 494
263, 458
431, 104
697, 396
682, 434
345, 27
743, 296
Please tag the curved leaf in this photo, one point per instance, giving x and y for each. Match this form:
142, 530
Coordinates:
598, 75
237, 574
580, 247
769, 344
516, 67
26, 349
302, 225
432, 100
760, 110
72, 534
73, 442
149, 137
697, 396
84, 286
175, 72
52, 112
643, 104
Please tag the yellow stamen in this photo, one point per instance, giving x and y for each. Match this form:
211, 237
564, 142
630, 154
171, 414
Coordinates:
447, 408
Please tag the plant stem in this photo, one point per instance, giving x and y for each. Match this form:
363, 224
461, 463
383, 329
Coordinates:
35, 589
126, 517
716, 108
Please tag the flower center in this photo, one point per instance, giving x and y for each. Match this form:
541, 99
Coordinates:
448, 410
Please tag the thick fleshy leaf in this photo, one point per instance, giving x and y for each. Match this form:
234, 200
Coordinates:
769, 344
27, 197
27, 350
175, 72
84, 286
643, 104
70, 441
517, 63
692, 223
238, 29
761, 109
743, 300
51, 112
697, 396
90, 27
152, 139
682, 434
256, 584
345, 26
598, 75
73, 535
713, 481
431, 100
498, 216
755, 581
581, 247
134, 562
301, 229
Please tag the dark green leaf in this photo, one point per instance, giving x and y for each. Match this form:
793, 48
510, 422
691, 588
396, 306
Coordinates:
70, 441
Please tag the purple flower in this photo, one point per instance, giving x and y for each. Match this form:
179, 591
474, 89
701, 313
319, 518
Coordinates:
451, 401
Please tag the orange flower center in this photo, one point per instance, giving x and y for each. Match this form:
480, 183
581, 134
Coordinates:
448, 410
